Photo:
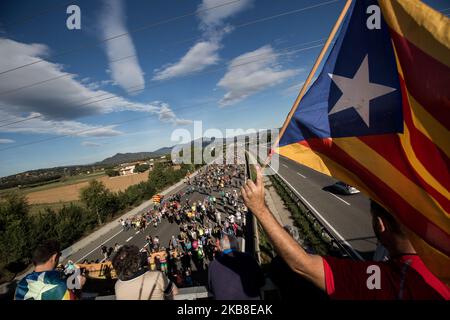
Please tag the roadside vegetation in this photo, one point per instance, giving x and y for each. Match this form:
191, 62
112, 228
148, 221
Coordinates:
310, 231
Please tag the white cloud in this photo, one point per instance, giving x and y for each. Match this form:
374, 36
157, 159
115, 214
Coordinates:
244, 79
215, 18
3, 141
56, 127
95, 85
90, 144
58, 103
125, 72
200, 56
166, 114
293, 89
182, 122
205, 52
63, 98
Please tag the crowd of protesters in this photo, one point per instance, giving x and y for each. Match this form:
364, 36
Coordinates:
217, 214
207, 241
209, 211
201, 224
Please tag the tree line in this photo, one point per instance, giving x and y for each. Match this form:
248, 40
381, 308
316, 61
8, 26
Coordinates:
20, 232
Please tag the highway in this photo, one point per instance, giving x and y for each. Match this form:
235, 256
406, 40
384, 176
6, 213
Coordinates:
164, 231
347, 216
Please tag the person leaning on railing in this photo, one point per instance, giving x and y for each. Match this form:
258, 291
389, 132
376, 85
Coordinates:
135, 281
403, 276
46, 282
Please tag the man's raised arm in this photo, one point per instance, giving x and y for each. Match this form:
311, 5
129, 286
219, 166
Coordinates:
308, 266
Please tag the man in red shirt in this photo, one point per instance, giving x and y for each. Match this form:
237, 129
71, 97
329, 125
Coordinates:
403, 276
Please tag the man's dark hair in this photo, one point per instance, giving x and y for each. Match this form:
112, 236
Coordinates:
44, 252
379, 211
127, 261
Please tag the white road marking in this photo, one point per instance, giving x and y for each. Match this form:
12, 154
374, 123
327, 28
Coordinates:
301, 175
321, 217
97, 247
137, 232
285, 166
146, 245
129, 239
339, 198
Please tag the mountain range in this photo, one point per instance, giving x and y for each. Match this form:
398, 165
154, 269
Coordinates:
136, 156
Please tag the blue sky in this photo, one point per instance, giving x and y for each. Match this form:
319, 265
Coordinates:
129, 94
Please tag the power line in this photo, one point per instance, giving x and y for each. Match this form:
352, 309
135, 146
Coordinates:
80, 132
245, 24
35, 84
153, 25
141, 117
138, 88
45, 11
123, 34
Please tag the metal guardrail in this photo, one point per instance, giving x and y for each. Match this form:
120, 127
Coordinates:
325, 234
252, 236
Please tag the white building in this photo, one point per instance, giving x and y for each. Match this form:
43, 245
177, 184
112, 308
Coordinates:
127, 170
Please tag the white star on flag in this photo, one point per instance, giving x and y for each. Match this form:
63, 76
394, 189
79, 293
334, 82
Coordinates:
37, 287
358, 91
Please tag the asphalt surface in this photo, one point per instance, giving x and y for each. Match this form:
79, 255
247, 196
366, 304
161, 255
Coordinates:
164, 231
348, 215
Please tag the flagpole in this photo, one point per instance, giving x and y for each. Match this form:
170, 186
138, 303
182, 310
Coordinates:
308, 80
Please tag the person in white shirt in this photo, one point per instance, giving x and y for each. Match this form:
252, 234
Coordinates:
238, 217
122, 222
218, 217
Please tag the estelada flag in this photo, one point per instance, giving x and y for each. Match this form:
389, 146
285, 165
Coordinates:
378, 118
156, 198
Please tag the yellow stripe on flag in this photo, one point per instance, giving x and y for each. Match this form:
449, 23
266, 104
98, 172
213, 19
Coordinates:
405, 141
428, 125
401, 185
423, 26
436, 261
321, 163
423, 120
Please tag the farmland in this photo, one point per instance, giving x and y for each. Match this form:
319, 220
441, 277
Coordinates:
71, 192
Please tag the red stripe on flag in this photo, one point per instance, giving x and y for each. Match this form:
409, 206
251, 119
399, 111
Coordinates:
427, 79
429, 154
407, 214
389, 147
